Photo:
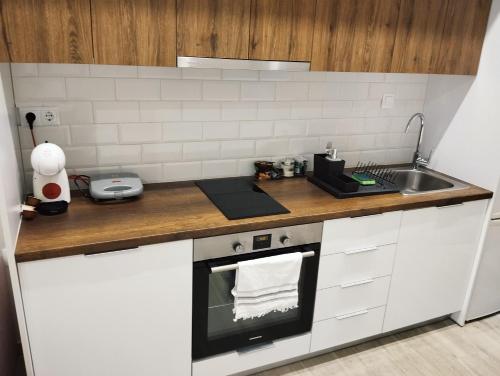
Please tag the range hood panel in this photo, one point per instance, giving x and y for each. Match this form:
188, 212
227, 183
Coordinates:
203, 62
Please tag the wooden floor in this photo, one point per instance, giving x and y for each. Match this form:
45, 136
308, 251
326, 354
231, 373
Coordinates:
439, 349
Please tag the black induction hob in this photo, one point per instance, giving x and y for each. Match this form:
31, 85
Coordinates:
239, 198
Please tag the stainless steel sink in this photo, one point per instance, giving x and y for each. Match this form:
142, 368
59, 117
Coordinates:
411, 181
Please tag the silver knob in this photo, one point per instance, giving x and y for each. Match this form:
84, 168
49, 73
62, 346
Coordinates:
238, 247
286, 241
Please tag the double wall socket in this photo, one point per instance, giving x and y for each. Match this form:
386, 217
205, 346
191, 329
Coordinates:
45, 116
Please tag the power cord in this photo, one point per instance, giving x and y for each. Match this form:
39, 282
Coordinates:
30, 118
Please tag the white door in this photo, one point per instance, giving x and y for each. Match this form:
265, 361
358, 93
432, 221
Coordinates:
433, 262
124, 313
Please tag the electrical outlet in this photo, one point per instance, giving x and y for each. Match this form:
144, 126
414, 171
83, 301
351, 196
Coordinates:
388, 101
45, 116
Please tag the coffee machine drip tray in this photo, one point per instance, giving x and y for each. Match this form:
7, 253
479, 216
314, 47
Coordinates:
239, 198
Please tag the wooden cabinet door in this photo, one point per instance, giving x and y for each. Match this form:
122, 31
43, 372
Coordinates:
463, 35
48, 31
4, 52
419, 35
124, 313
282, 29
354, 35
433, 264
134, 32
213, 28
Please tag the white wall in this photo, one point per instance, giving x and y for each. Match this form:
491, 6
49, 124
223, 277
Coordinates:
10, 198
463, 116
171, 124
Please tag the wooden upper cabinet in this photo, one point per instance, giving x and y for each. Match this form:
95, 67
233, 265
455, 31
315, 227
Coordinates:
134, 32
282, 29
419, 35
4, 52
213, 28
48, 31
355, 35
463, 35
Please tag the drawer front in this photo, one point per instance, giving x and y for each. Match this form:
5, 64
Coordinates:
355, 265
347, 328
361, 232
235, 362
351, 297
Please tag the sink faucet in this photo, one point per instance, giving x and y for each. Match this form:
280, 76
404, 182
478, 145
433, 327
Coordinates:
418, 159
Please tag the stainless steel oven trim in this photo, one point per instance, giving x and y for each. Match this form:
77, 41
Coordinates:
223, 246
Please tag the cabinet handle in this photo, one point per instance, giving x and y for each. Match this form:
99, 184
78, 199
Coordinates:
357, 283
346, 316
255, 348
450, 206
361, 250
111, 252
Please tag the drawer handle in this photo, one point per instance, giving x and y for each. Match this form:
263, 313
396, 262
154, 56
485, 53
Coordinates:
361, 250
251, 349
348, 315
357, 283
450, 206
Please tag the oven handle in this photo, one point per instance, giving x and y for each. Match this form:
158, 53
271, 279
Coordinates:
226, 268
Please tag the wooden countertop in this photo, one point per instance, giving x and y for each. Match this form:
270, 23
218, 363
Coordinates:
176, 211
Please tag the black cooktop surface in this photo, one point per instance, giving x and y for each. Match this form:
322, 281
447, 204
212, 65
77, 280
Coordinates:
239, 198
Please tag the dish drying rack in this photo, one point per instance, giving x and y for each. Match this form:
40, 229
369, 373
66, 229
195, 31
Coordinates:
381, 174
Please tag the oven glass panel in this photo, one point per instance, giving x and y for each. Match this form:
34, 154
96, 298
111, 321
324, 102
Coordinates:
221, 303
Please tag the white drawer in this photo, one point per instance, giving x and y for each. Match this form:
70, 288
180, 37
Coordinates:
360, 232
351, 297
347, 328
355, 265
234, 362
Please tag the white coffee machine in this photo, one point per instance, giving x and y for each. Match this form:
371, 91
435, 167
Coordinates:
50, 180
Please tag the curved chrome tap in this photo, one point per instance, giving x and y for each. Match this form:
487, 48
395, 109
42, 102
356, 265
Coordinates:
418, 159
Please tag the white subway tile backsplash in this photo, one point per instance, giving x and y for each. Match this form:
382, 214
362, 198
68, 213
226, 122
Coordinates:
258, 91
256, 129
292, 91
237, 149
118, 154
239, 111
187, 90
94, 134
84, 156
274, 111
116, 112
63, 70
240, 75
171, 124
221, 91
39, 88
220, 130
91, 88
290, 128
159, 72
272, 147
119, 71
153, 153
160, 111
140, 133
139, 89
201, 111
201, 74
24, 69
182, 171
149, 173
199, 151
219, 169
182, 131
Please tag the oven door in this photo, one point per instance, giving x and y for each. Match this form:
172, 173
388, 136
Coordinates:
215, 331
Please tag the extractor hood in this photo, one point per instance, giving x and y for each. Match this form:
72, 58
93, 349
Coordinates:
203, 62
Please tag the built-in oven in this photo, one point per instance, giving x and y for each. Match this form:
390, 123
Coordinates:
215, 262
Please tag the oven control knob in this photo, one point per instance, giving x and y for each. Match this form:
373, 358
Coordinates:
286, 241
238, 247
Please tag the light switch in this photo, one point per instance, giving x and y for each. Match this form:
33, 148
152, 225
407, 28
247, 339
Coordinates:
388, 101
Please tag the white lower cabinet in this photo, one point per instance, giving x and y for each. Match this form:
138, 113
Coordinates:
346, 328
436, 250
124, 313
236, 362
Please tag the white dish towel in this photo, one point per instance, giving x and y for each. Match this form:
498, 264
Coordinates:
266, 285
